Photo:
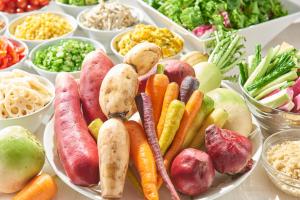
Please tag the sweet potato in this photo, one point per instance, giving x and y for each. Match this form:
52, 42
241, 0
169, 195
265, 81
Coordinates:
76, 148
94, 68
143, 57
117, 92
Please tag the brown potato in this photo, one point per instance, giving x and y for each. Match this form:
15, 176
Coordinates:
117, 92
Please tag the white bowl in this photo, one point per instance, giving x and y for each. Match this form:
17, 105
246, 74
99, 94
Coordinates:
52, 75
72, 9
114, 41
33, 121
12, 16
21, 63
32, 43
5, 19
105, 36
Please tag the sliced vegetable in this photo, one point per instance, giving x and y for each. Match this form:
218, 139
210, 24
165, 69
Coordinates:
143, 159
276, 100
170, 95
172, 122
144, 106
41, 187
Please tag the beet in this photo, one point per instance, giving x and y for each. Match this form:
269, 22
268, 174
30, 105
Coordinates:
230, 151
192, 172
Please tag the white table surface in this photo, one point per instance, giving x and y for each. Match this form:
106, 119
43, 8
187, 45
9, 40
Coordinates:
256, 187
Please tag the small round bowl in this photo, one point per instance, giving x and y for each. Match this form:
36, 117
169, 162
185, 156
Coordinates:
32, 43
33, 121
52, 75
21, 63
285, 183
72, 9
105, 36
116, 39
5, 19
12, 16
271, 120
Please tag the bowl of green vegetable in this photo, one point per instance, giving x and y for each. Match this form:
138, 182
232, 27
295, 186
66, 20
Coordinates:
74, 7
61, 55
271, 87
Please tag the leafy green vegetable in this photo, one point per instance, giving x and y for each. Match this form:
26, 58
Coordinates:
242, 13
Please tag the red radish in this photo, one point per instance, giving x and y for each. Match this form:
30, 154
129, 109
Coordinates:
76, 148
144, 106
177, 70
188, 86
273, 92
94, 68
287, 107
296, 87
192, 172
201, 30
296, 101
230, 151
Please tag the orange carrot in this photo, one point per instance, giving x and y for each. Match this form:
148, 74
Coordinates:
192, 108
156, 87
143, 159
171, 94
41, 187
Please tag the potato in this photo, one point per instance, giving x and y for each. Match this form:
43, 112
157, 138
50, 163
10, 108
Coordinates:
118, 90
143, 57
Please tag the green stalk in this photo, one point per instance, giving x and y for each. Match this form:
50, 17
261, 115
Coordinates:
276, 100
272, 88
228, 51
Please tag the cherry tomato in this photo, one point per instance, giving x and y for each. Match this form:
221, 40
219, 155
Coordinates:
19, 10
34, 2
22, 3
31, 8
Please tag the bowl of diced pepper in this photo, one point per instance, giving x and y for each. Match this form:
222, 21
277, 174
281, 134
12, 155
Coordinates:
16, 8
74, 7
62, 55
38, 27
12, 53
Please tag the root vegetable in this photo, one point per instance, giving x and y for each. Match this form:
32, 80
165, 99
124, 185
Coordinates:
113, 147
192, 172
170, 95
177, 70
143, 159
117, 92
194, 57
94, 68
143, 79
144, 106
76, 148
187, 87
41, 187
143, 57
230, 152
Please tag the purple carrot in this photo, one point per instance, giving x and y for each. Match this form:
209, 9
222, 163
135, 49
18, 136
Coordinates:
187, 87
144, 106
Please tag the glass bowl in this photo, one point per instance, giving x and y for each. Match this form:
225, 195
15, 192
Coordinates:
281, 180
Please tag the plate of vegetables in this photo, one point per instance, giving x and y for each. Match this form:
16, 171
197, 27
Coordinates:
270, 83
62, 55
199, 19
94, 143
12, 53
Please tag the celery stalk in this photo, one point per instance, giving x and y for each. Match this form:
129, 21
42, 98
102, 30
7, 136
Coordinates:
274, 87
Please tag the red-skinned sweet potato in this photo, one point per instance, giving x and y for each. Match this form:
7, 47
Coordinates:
76, 148
94, 68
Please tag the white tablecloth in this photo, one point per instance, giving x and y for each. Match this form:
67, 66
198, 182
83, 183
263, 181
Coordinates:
256, 187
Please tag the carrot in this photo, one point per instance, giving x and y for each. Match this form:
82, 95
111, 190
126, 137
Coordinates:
156, 87
170, 95
41, 187
144, 106
187, 87
192, 108
143, 159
